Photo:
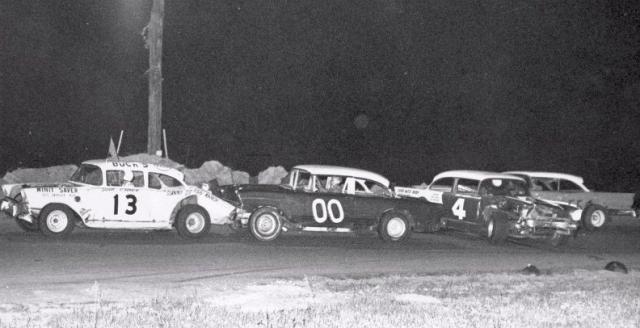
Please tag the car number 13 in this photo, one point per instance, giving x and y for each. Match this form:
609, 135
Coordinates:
131, 204
322, 209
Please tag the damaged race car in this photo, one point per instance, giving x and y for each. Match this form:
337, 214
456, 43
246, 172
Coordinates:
106, 194
322, 198
593, 208
496, 205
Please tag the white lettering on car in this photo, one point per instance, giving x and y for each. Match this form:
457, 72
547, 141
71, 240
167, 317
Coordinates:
458, 209
330, 208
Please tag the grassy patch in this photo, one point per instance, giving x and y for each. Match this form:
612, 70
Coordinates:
576, 299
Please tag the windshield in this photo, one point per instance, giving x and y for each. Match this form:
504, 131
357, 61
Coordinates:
503, 187
87, 174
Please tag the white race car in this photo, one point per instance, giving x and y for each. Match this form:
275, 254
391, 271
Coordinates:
110, 194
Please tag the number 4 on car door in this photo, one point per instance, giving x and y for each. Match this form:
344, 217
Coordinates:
458, 209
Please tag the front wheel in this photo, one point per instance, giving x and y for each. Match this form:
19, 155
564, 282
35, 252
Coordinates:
497, 230
192, 222
394, 227
265, 224
56, 220
594, 217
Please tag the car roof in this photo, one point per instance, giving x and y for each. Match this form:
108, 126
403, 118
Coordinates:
552, 175
138, 166
474, 175
317, 169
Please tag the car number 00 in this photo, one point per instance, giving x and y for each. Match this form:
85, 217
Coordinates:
327, 207
458, 209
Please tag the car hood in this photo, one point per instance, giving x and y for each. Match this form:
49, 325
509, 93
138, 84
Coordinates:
530, 207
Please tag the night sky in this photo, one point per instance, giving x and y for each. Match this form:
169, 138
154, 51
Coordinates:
404, 88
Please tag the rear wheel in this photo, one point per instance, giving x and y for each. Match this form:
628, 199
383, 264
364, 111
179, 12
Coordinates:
394, 227
497, 230
265, 224
192, 222
594, 217
56, 220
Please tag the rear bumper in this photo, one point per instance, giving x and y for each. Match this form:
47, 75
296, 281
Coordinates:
15, 209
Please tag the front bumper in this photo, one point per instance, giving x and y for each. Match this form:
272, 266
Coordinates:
543, 228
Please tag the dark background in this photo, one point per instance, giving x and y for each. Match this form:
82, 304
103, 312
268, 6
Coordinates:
405, 88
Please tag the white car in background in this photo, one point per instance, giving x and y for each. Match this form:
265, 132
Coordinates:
594, 208
108, 194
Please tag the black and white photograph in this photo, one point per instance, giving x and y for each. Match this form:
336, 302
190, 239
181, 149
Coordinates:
281, 163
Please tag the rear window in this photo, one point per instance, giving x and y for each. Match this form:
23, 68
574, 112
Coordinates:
158, 180
88, 174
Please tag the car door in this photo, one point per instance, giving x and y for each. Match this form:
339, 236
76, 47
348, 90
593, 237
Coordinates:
462, 204
331, 208
130, 202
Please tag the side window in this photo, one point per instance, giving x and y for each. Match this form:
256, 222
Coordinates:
361, 188
566, 185
158, 180
154, 181
332, 184
467, 186
542, 184
170, 181
114, 178
304, 181
444, 184
89, 174
378, 189
138, 179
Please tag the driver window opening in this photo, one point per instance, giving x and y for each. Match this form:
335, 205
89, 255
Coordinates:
120, 178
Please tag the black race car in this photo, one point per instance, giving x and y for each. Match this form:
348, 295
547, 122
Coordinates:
496, 205
324, 198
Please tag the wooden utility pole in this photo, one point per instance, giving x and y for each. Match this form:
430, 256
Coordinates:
153, 41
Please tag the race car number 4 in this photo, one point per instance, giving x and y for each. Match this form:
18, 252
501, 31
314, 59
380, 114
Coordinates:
458, 209
322, 209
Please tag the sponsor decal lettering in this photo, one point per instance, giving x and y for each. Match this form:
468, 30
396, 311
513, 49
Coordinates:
127, 164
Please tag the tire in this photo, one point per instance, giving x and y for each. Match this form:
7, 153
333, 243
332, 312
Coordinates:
394, 227
57, 220
497, 230
192, 222
594, 217
558, 240
28, 227
265, 224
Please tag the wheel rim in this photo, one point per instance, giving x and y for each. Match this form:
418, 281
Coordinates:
396, 227
57, 221
266, 224
195, 222
490, 229
597, 218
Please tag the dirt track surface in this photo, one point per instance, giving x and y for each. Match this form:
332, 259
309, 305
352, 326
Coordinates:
130, 264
